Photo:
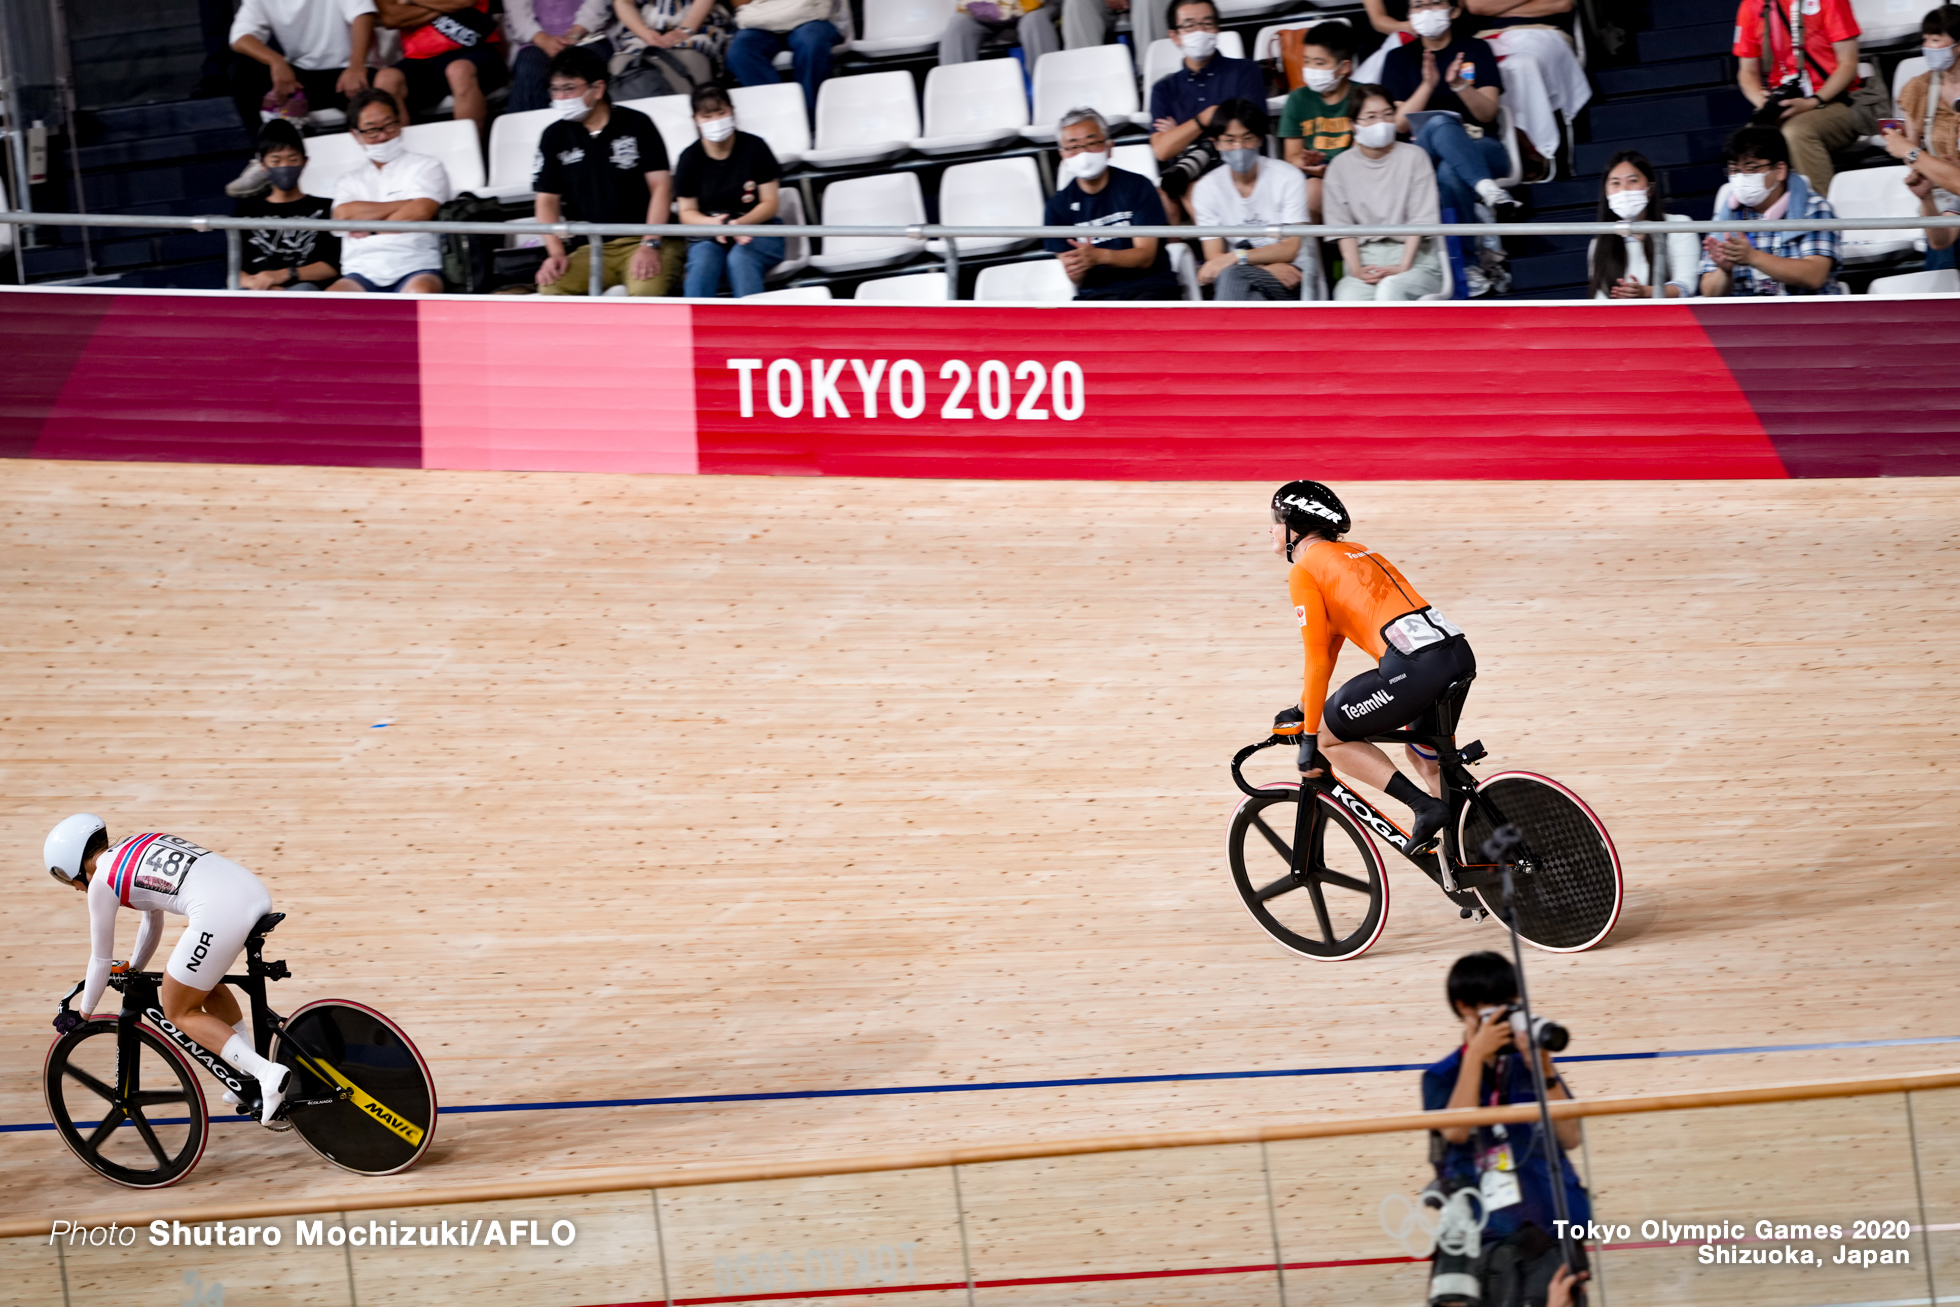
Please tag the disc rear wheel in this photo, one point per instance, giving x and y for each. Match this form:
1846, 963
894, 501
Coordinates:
1567, 885
386, 1117
1335, 905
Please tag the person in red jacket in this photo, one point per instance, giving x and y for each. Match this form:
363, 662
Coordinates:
1346, 592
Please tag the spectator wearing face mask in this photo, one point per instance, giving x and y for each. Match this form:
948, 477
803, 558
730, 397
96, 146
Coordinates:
1252, 191
728, 180
1183, 102
601, 162
1105, 198
1442, 70
1316, 123
286, 258
1383, 182
1621, 267
392, 184
1930, 144
1763, 185
1538, 60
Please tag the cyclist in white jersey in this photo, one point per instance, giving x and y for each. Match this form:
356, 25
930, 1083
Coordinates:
155, 874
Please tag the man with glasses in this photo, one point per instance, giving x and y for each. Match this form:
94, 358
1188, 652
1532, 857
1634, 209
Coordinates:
1097, 195
1762, 185
1251, 191
602, 162
392, 185
1183, 103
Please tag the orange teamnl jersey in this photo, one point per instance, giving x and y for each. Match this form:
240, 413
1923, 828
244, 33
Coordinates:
1343, 591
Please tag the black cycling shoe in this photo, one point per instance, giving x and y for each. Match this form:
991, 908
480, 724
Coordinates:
1431, 813
1430, 818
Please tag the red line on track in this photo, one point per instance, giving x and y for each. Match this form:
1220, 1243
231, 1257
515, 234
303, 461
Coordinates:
954, 1285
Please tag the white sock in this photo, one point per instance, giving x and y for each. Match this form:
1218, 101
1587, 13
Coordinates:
238, 1052
244, 1026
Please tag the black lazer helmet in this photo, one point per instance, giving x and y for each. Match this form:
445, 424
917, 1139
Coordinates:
1309, 506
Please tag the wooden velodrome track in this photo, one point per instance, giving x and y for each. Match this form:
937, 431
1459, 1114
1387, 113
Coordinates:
705, 786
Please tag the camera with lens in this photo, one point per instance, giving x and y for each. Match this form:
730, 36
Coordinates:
1551, 1036
1771, 113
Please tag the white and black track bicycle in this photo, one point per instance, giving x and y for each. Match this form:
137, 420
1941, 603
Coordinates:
1308, 862
127, 1099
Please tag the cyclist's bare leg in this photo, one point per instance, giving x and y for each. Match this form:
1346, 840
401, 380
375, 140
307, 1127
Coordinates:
205, 1015
1428, 771
1359, 759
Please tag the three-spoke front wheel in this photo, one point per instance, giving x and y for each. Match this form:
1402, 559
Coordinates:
143, 1124
1335, 904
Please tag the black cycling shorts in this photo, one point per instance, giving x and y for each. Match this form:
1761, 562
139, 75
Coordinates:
1397, 692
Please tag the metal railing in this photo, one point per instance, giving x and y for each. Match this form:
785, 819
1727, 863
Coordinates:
1262, 1212
596, 233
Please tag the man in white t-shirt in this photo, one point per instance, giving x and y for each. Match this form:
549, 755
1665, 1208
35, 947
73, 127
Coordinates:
1252, 191
392, 185
316, 50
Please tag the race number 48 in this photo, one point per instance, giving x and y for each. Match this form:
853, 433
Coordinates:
994, 390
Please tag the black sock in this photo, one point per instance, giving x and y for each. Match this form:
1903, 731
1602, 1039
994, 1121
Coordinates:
1404, 790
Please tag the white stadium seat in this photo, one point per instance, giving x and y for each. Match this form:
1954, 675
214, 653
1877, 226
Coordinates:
791, 295
890, 200
1100, 77
1186, 267
1874, 193
903, 26
673, 116
1234, 10
1038, 281
973, 106
1905, 72
1881, 22
778, 115
992, 192
456, 144
1162, 58
328, 159
864, 119
1941, 281
796, 249
1266, 46
514, 154
918, 288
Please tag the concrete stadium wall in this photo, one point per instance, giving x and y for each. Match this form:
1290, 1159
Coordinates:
1799, 388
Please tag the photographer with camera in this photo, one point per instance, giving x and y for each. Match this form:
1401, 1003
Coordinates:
1506, 1164
1804, 79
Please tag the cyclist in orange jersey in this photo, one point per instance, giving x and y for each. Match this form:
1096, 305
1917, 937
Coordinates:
1343, 591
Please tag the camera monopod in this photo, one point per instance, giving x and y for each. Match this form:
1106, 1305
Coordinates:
1498, 850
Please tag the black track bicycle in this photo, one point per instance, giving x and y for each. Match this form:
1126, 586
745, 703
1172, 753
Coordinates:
126, 1097
1307, 862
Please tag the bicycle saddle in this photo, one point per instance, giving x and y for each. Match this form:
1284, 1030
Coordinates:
266, 924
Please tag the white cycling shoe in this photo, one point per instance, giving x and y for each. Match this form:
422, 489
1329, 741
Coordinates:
270, 1097
272, 1093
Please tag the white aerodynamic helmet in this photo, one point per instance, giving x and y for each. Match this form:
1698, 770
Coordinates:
68, 843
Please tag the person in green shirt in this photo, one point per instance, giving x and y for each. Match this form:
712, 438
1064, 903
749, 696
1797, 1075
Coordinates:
1316, 123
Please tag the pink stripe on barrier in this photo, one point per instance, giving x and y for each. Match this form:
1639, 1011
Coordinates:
557, 385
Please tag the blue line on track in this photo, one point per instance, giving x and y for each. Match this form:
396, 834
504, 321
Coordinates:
683, 1100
